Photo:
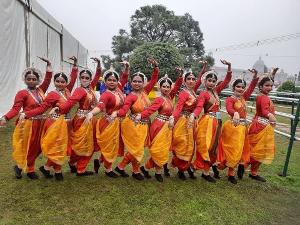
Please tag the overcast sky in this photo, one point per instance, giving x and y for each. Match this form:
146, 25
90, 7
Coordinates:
223, 23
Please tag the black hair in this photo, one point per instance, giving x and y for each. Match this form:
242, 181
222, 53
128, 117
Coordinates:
86, 71
165, 81
264, 80
211, 75
111, 74
34, 73
237, 81
61, 75
187, 74
137, 74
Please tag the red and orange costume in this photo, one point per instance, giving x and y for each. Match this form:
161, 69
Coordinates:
26, 136
234, 146
108, 134
83, 136
55, 133
261, 134
207, 130
160, 135
135, 134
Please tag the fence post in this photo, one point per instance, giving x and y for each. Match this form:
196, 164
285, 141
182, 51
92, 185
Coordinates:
292, 138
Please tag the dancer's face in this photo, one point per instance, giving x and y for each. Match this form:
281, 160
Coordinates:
31, 81
85, 80
210, 83
239, 89
111, 82
60, 83
165, 88
190, 81
137, 83
267, 87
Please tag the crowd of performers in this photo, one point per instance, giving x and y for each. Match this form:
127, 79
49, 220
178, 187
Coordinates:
124, 128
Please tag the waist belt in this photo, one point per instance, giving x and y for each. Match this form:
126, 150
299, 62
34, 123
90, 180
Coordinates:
186, 113
214, 114
55, 116
263, 120
38, 117
142, 121
242, 122
162, 118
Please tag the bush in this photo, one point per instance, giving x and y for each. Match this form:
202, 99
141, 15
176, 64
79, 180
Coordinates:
167, 56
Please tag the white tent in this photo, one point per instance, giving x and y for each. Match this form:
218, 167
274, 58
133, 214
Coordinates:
27, 30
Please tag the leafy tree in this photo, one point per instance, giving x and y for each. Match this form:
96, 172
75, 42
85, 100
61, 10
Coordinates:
287, 86
158, 24
167, 56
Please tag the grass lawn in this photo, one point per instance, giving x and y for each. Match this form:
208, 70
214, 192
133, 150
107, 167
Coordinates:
101, 200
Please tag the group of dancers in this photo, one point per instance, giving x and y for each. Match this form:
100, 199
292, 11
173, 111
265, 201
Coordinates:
124, 127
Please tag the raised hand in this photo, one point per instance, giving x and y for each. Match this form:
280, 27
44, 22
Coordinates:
254, 72
45, 60
96, 60
203, 62
179, 70
274, 71
152, 61
225, 62
74, 59
125, 64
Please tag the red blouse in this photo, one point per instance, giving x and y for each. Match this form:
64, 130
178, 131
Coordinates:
29, 99
264, 106
55, 98
163, 105
210, 102
84, 96
234, 104
124, 79
186, 102
132, 98
111, 101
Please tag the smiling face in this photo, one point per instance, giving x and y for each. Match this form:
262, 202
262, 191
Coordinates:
31, 81
137, 83
190, 81
111, 82
267, 87
239, 89
165, 88
60, 83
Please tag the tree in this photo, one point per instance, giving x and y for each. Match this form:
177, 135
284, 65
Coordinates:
167, 56
157, 24
287, 86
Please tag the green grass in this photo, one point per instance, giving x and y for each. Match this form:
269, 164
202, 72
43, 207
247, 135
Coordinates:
100, 200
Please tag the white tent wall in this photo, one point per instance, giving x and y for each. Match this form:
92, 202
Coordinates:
38, 42
12, 51
27, 31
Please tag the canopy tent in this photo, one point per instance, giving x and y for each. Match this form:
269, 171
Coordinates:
27, 31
